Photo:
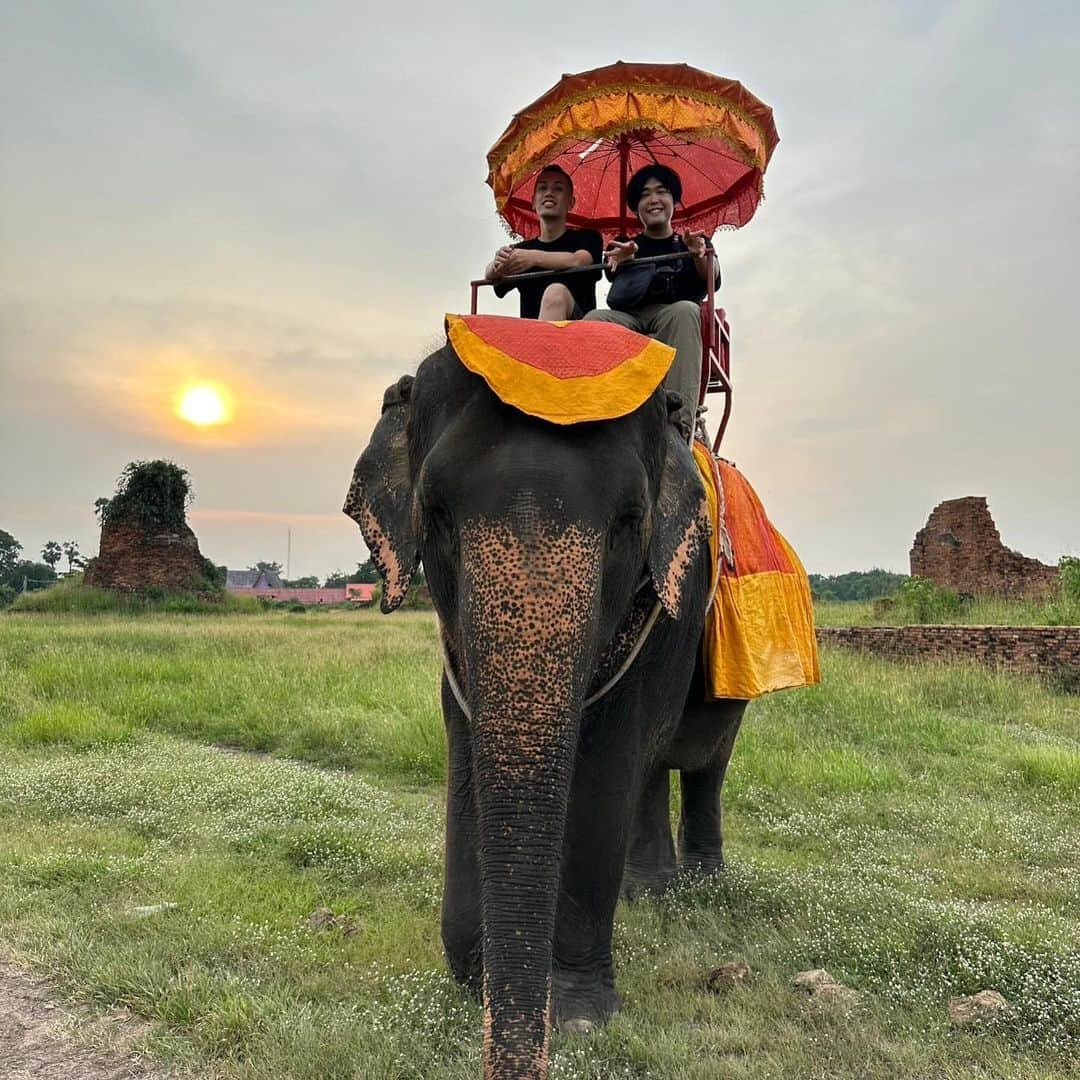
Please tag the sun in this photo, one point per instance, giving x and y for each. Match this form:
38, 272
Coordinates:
204, 405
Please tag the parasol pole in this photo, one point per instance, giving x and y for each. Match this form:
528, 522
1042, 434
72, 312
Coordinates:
624, 177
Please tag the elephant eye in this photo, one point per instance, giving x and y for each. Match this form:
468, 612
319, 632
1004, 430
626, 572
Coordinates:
625, 524
439, 518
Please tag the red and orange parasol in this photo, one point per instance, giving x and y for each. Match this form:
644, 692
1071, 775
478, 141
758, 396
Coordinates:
601, 126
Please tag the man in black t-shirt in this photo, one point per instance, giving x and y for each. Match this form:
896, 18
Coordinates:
674, 319
568, 296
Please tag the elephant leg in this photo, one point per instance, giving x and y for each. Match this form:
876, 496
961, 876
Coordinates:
461, 910
701, 839
650, 864
598, 826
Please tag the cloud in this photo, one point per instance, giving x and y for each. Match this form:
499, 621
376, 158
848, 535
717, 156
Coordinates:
289, 199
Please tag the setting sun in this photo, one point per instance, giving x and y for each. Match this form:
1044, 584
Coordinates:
204, 405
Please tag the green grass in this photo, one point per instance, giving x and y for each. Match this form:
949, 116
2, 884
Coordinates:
910, 828
72, 597
980, 611
332, 687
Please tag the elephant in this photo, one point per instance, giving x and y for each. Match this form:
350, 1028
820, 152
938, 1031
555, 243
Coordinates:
557, 557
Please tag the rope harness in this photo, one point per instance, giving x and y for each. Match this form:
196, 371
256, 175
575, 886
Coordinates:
610, 685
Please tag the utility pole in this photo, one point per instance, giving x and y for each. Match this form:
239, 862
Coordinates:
288, 557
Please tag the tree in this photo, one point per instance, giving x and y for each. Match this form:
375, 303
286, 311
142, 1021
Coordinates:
267, 567
51, 553
337, 579
309, 582
365, 573
101, 509
9, 551
74, 558
856, 585
25, 569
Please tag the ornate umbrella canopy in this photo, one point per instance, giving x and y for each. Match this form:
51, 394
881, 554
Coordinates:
601, 126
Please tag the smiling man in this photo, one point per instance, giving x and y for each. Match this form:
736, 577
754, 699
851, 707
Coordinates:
665, 303
568, 296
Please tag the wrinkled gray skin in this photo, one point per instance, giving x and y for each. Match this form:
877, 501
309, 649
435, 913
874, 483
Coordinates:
545, 549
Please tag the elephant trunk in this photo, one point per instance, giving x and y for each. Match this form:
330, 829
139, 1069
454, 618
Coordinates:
530, 597
523, 774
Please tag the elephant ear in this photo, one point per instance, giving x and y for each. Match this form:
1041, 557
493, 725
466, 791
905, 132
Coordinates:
680, 525
380, 498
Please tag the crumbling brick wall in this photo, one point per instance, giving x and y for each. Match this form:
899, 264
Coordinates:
134, 557
1034, 650
960, 549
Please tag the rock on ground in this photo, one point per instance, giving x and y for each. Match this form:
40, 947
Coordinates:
978, 1008
733, 973
821, 987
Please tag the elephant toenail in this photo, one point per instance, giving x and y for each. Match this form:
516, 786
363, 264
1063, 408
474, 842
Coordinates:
577, 1026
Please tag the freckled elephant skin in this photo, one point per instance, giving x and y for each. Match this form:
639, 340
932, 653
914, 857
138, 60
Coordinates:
544, 549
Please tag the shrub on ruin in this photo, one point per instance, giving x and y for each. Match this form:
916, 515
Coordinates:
1069, 573
925, 602
153, 493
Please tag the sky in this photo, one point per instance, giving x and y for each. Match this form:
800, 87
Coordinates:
286, 198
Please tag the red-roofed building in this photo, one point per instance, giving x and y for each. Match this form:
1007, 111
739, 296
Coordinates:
362, 595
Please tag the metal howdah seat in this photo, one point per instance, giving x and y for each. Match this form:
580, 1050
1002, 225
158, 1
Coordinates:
715, 331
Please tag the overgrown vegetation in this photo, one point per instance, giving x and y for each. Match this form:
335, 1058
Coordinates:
1069, 570
918, 600
155, 493
910, 828
71, 596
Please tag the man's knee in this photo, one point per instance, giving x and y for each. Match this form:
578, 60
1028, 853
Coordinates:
557, 293
557, 302
680, 313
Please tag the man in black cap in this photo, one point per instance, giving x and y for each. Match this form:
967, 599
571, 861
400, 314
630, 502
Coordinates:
667, 305
568, 296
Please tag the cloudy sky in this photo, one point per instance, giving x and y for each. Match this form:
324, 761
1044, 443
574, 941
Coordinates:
285, 198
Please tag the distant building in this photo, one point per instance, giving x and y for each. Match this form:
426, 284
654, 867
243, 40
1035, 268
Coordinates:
237, 582
252, 579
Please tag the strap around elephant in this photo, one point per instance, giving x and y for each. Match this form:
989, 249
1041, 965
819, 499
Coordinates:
624, 667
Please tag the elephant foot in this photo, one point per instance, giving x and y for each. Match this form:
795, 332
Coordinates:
702, 862
639, 881
468, 971
582, 1001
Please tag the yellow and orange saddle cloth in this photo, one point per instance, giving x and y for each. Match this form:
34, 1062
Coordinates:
759, 631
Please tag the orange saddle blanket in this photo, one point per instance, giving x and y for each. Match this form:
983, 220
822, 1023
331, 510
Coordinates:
759, 630
562, 372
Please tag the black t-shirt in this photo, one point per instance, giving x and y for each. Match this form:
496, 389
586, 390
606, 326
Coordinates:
582, 286
688, 284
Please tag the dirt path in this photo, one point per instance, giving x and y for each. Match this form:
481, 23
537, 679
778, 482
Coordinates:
42, 1039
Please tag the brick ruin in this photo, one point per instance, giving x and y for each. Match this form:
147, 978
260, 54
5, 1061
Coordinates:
134, 557
1030, 650
960, 549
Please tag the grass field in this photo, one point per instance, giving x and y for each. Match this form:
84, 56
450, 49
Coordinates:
911, 829
980, 611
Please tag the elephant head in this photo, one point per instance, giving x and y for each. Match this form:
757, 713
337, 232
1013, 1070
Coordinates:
535, 540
